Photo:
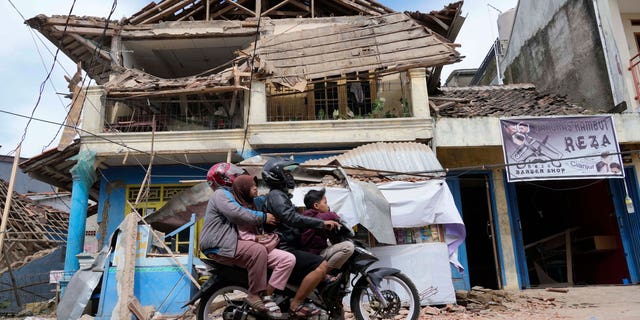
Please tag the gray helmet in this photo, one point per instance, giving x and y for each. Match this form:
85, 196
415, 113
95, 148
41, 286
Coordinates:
276, 173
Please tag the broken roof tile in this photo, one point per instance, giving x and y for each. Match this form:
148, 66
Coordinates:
501, 101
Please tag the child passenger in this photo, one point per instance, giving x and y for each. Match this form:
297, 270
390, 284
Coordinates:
316, 240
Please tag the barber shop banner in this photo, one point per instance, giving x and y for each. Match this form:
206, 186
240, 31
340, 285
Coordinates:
555, 148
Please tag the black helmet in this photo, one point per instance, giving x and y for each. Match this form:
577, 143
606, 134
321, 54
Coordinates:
276, 173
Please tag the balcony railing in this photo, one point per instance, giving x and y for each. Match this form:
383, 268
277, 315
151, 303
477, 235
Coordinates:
634, 67
161, 122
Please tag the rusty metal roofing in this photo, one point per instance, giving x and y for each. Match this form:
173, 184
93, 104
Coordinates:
500, 101
409, 157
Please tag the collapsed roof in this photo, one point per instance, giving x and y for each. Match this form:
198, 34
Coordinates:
500, 101
181, 10
178, 38
31, 228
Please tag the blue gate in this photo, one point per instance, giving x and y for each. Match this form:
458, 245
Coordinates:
628, 220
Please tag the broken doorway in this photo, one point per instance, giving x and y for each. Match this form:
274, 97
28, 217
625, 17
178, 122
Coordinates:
477, 215
570, 233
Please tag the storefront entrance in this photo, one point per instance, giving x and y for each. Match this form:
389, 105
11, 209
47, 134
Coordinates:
569, 232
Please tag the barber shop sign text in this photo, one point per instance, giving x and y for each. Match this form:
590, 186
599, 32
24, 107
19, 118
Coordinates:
560, 148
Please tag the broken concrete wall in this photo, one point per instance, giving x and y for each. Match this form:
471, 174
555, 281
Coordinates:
563, 55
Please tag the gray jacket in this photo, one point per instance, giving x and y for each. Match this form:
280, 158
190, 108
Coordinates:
219, 233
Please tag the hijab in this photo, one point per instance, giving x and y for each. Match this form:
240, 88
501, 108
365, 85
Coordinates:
241, 190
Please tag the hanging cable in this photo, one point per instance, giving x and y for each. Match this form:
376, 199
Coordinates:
42, 85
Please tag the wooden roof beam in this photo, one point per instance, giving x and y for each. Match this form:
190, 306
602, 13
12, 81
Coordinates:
156, 9
264, 13
184, 15
166, 12
357, 7
92, 46
98, 31
239, 6
301, 5
225, 10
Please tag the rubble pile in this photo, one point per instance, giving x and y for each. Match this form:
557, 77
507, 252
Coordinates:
482, 303
487, 303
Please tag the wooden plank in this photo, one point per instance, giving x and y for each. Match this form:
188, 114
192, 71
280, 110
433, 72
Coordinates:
77, 102
353, 48
360, 29
92, 46
289, 13
569, 256
9, 195
301, 5
357, 7
319, 70
274, 7
84, 31
158, 8
138, 310
241, 7
342, 97
166, 12
225, 10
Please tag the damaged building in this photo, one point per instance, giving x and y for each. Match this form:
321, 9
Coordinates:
185, 84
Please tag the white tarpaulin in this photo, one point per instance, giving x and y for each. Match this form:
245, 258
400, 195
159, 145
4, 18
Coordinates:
412, 204
426, 265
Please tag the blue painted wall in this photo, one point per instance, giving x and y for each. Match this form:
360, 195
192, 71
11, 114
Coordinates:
115, 180
35, 274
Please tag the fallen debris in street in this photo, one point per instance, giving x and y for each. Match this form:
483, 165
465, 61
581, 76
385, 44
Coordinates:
482, 303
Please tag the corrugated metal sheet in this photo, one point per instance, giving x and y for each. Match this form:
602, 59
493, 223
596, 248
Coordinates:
399, 157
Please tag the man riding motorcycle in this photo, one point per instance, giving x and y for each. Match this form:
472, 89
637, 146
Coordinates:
310, 269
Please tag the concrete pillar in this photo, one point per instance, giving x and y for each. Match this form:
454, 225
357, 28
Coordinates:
93, 111
258, 101
84, 176
510, 269
419, 93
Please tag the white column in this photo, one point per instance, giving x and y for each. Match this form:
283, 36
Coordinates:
419, 94
93, 111
258, 103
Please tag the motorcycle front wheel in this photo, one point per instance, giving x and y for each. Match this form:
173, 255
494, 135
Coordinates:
221, 302
398, 291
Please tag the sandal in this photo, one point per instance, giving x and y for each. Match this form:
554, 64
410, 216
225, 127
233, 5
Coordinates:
273, 310
305, 311
256, 304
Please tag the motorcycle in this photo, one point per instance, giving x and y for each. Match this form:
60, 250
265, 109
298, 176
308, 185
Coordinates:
380, 293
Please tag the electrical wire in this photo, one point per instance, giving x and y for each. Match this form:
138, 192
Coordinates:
465, 170
42, 85
108, 140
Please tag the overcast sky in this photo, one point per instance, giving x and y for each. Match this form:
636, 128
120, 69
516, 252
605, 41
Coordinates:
25, 61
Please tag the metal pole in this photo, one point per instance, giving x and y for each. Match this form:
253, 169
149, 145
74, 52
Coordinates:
7, 203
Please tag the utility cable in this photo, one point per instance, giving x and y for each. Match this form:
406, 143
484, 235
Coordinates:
108, 140
42, 85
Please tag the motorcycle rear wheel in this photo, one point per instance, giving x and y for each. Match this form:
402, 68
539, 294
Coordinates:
397, 289
216, 302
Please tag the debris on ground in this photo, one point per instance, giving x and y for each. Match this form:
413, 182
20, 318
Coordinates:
482, 303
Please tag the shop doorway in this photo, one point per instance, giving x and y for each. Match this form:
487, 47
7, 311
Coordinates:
570, 233
477, 214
